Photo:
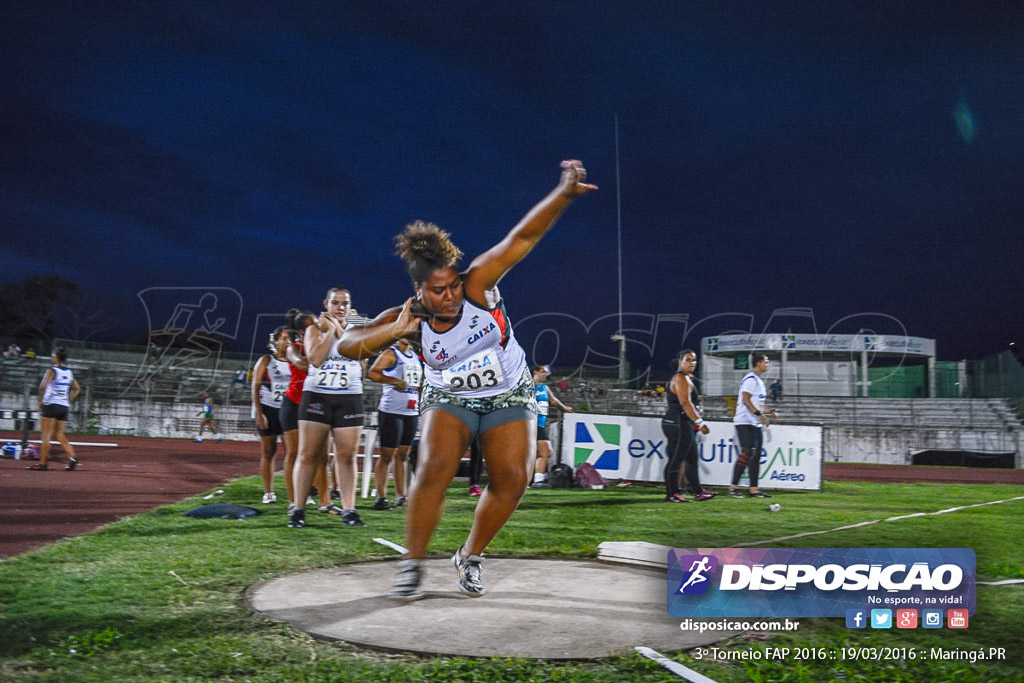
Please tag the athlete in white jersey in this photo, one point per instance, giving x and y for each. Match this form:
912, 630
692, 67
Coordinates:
477, 382
271, 377
56, 392
332, 405
748, 421
400, 370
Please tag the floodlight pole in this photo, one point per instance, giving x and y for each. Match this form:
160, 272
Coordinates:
619, 337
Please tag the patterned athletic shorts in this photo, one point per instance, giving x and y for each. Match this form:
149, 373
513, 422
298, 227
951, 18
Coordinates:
522, 395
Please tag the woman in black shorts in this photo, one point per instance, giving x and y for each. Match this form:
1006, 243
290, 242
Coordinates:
271, 377
332, 406
56, 392
400, 370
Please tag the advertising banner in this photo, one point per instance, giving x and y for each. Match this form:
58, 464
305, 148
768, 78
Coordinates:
847, 343
864, 585
626, 447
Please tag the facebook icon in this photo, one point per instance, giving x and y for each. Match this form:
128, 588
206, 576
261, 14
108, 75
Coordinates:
856, 618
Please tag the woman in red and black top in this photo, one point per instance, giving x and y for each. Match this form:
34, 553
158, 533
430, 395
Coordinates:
298, 320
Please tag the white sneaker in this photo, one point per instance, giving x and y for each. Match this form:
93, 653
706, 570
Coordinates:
310, 500
198, 439
270, 497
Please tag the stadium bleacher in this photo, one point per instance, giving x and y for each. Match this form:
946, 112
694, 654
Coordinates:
118, 383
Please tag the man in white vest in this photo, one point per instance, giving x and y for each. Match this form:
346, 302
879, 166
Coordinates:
750, 419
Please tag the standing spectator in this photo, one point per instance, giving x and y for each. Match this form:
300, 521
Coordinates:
239, 377
207, 414
56, 392
273, 375
563, 385
332, 405
776, 390
400, 370
298, 320
680, 426
750, 420
545, 397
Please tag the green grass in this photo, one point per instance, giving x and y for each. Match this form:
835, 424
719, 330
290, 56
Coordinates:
105, 606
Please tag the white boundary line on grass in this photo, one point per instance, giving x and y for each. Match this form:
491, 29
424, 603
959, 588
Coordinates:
875, 521
673, 666
394, 546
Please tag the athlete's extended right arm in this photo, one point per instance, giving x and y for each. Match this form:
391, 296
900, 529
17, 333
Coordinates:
366, 341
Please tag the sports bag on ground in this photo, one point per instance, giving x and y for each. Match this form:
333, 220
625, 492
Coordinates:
587, 476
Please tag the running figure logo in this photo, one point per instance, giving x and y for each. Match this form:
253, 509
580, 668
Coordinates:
696, 579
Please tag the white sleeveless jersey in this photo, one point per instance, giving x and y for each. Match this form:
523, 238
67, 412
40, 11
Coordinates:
59, 388
275, 382
476, 358
336, 375
408, 368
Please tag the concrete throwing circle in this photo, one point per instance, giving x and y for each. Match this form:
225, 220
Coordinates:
541, 609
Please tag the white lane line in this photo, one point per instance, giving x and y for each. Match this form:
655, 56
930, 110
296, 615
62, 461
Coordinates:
394, 546
876, 521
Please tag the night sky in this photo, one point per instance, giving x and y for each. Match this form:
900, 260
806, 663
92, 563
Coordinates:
846, 158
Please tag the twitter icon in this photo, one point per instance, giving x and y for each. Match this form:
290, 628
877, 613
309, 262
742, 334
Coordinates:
881, 618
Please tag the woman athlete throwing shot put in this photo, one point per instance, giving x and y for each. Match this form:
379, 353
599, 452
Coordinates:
476, 378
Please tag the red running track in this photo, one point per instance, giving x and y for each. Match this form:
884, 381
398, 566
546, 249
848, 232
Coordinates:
37, 508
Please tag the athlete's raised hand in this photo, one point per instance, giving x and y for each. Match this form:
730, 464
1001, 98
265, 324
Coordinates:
574, 177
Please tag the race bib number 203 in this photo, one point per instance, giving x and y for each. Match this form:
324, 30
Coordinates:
479, 372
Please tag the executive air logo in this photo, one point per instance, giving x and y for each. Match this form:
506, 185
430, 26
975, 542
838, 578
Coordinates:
604, 440
789, 341
817, 582
871, 343
712, 344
